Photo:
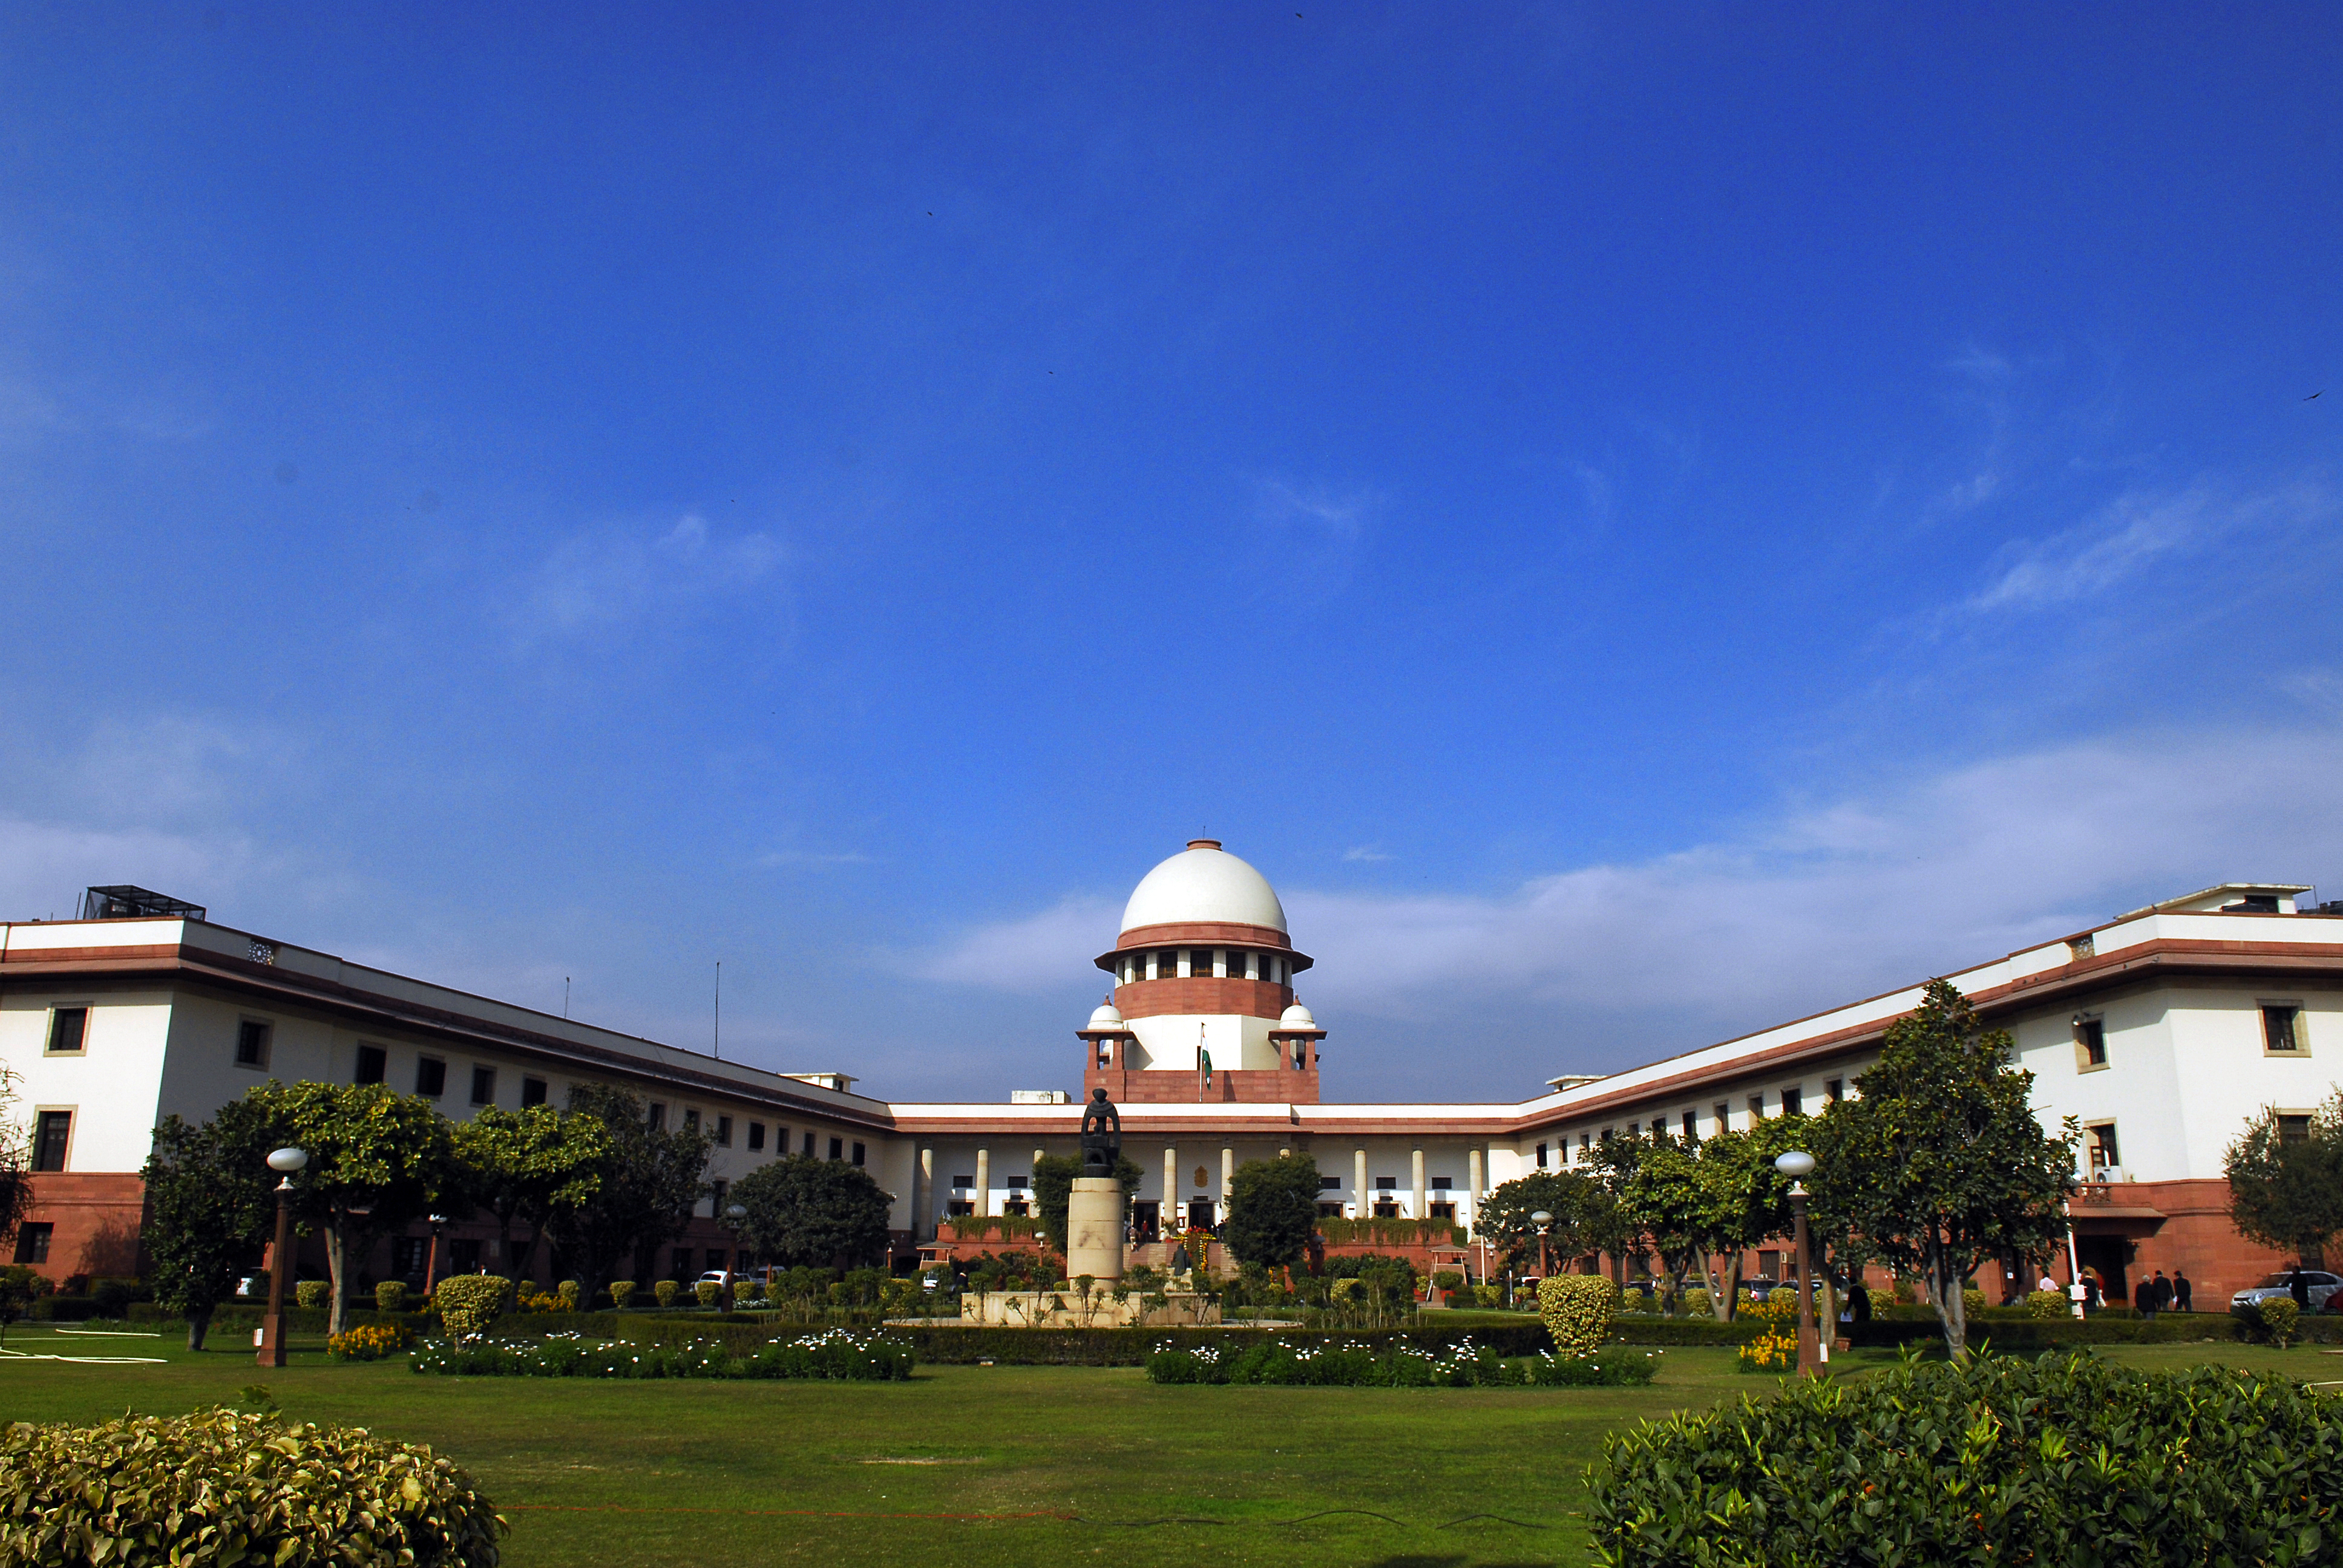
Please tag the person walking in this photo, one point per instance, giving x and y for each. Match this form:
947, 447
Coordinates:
2180, 1292
2153, 1295
2299, 1288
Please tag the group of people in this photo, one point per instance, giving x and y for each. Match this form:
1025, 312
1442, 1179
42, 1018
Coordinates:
2155, 1295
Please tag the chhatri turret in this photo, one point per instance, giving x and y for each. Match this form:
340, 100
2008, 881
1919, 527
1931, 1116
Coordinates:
1202, 1007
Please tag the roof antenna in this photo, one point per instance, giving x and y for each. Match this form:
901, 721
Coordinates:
565, 996
718, 1041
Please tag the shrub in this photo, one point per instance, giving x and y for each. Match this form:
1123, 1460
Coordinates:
622, 1293
2047, 1304
1698, 1302
1488, 1295
312, 1292
390, 1296
1447, 1280
216, 1486
1577, 1310
1972, 1304
2060, 1460
368, 1341
2280, 1316
112, 1297
841, 1354
708, 1291
571, 1293
665, 1293
469, 1303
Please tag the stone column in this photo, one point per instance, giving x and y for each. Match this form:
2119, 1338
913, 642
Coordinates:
983, 1183
1416, 1168
1228, 1180
923, 1197
1473, 1175
1361, 1201
1171, 1217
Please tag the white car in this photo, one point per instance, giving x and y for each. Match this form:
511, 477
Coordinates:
2318, 1284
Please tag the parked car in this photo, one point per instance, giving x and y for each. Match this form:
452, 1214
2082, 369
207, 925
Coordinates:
2319, 1285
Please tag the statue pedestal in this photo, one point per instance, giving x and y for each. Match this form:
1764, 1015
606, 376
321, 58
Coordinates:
1095, 1229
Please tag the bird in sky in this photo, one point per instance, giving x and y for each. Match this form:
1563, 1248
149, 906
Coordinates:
2320, 393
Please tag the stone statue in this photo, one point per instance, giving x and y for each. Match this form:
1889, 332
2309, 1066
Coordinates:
1101, 1135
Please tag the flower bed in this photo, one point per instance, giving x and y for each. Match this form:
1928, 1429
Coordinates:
841, 1354
1350, 1364
369, 1343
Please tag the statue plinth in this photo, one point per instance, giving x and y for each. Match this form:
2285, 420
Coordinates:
1095, 1229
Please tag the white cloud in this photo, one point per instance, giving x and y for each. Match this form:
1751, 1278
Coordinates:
608, 578
1816, 906
2133, 532
44, 865
1366, 852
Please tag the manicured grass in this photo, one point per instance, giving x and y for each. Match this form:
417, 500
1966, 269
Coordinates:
602, 1475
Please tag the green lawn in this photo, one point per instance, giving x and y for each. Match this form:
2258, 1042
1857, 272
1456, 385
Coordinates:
941, 1470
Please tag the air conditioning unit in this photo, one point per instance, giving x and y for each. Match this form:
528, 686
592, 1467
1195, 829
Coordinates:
2110, 1174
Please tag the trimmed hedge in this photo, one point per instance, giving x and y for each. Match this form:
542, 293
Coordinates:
838, 1355
1577, 1310
2069, 1461
219, 1488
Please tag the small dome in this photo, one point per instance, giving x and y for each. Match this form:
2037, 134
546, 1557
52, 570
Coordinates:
1203, 883
1296, 1017
1107, 1016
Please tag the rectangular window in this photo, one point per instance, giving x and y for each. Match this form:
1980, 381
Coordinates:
1634, 1130
756, 1137
1386, 1183
1834, 1090
1604, 1136
836, 1148
1443, 1210
51, 1130
724, 1132
1794, 1100
1692, 1126
251, 1043
715, 1259
961, 1206
858, 1155
679, 1265
963, 1183
2293, 1129
2102, 1140
1724, 1110
1329, 1184
2281, 1026
373, 1061
691, 1119
1757, 1107
68, 1026
484, 1086
2090, 1044
431, 1077
1329, 1210
532, 1091
1442, 1183
1585, 1142
1540, 1157
716, 1190
657, 1116
33, 1243
809, 1145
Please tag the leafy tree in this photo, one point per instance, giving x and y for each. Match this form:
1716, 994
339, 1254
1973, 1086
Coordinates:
650, 1178
210, 1209
1584, 1218
1053, 1189
1272, 1211
2287, 1192
526, 1166
804, 1212
1941, 1163
378, 1159
1674, 1196
15, 1161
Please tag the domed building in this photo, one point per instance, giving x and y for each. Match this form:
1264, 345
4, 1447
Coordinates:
1202, 1008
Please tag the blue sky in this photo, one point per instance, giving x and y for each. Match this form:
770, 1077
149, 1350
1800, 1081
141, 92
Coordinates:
1642, 523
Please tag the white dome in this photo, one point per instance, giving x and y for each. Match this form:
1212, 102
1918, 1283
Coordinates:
1107, 1016
1296, 1017
1203, 883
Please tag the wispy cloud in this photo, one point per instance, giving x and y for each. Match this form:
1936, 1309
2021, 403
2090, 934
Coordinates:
1033, 955
2130, 534
609, 578
1366, 852
776, 859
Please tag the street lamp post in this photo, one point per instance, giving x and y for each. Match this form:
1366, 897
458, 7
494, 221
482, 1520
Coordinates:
1798, 1164
1542, 1220
431, 1258
733, 1214
271, 1338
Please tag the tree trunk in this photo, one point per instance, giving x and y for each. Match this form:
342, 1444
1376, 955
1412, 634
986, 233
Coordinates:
1943, 1283
336, 1252
200, 1323
1727, 1300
